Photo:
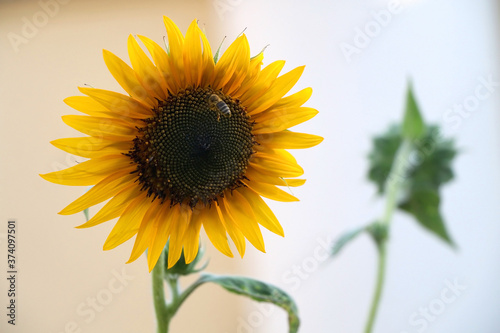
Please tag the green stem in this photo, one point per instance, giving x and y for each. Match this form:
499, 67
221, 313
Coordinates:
165, 310
161, 308
396, 178
173, 283
379, 286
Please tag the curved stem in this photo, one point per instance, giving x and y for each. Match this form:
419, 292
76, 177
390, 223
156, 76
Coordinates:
188, 291
161, 309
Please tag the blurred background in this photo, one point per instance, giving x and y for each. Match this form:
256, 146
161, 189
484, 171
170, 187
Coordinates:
359, 57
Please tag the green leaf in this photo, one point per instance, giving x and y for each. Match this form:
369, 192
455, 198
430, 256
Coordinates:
86, 213
345, 238
413, 125
260, 292
424, 206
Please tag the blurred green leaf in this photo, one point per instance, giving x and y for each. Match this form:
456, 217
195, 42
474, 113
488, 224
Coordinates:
382, 156
260, 292
430, 168
345, 238
413, 125
433, 158
424, 206
430, 164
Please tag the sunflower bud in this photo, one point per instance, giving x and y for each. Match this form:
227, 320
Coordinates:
181, 268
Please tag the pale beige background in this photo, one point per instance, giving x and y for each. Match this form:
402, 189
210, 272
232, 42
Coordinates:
445, 46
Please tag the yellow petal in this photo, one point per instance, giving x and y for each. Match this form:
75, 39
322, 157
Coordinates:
262, 148
166, 217
176, 48
127, 78
240, 72
101, 127
284, 155
129, 222
294, 182
119, 104
192, 55
192, 235
114, 207
264, 80
102, 191
92, 147
147, 73
288, 140
242, 216
294, 100
272, 164
270, 191
278, 89
235, 234
251, 77
215, 230
208, 61
88, 106
177, 231
89, 172
146, 232
263, 213
281, 119
256, 175
278, 154
270, 178
233, 63
160, 59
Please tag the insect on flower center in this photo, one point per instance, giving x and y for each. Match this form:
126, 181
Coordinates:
196, 146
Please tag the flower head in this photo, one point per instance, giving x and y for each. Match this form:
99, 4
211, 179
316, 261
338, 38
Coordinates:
194, 143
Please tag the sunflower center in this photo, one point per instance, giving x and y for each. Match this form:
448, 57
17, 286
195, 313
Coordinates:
196, 146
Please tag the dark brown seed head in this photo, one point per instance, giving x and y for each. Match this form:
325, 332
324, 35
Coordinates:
187, 154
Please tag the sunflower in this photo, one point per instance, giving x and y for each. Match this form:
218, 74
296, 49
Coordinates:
196, 141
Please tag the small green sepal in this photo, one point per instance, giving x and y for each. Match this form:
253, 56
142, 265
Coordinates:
87, 214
